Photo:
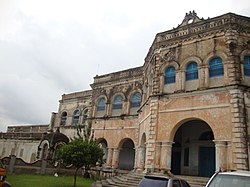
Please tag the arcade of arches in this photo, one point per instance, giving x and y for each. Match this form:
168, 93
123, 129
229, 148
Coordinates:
122, 157
193, 151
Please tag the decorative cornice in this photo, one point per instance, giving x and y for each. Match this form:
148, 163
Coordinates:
114, 78
198, 29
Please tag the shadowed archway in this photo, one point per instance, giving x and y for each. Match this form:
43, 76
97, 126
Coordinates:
127, 155
193, 151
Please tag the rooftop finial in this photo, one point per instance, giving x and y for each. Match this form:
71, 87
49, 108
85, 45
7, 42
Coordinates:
190, 17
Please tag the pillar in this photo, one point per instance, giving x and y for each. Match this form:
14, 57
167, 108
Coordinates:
141, 154
220, 155
110, 157
157, 155
115, 161
166, 150
206, 76
183, 79
179, 80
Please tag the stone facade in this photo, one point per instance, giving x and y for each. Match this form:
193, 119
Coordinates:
185, 111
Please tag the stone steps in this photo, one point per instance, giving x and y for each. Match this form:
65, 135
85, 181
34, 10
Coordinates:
132, 179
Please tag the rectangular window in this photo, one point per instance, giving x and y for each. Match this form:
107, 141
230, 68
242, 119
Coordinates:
186, 157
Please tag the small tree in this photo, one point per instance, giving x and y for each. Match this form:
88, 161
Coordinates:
81, 151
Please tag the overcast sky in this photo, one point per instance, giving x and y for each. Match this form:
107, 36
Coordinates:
52, 47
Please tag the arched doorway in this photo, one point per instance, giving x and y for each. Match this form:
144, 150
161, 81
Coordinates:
193, 151
127, 155
104, 146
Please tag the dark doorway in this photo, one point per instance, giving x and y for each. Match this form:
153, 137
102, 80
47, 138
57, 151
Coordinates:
206, 161
127, 155
176, 159
193, 151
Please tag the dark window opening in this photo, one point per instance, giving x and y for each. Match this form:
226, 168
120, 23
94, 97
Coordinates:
216, 68
247, 66
170, 75
192, 71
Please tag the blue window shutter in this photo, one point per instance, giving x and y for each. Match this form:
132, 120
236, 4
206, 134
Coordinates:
76, 117
170, 75
216, 68
247, 66
117, 103
135, 100
192, 71
101, 104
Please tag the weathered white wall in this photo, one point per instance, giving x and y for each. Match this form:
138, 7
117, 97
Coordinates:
25, 149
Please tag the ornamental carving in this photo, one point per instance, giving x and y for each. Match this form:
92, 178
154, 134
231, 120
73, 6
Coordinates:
246, 45
170, 55
190, 17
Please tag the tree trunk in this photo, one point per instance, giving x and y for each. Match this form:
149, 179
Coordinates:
75, 176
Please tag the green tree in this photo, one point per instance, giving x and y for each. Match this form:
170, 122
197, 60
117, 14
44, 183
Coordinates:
82, 151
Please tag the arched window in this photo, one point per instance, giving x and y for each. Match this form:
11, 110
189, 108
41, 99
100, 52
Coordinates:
170, 75
192, 71
216, 68
117, 103
135, 100
101, 104
247, 66
63, 118
76, 117
85, 115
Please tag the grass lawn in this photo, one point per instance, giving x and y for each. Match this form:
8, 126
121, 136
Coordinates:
28, 180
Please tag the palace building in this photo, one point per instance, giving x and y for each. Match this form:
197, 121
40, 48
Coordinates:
185, 110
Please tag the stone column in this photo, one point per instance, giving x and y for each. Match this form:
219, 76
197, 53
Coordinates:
141, 153
157, 155
161, 83
125, 107
220, 155
166, 149
182, 79
201, 77
115, 161
206, 76
110, 157
108, 108
179, 80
